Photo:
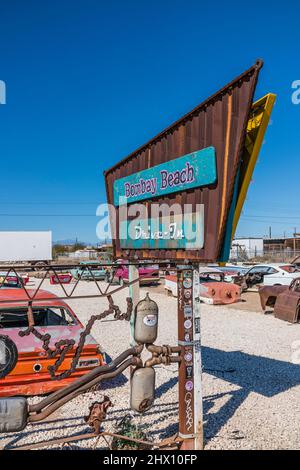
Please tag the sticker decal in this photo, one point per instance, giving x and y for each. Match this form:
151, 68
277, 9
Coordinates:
189, 372
188, 357
187, 294
187, 324
187, 273
189, 385
197, 325
188, 312
187, 283
150, 320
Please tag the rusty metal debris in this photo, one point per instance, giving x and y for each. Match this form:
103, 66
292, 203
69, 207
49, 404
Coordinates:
56, 269
97, 413
131, 358
63, 346
57, 399
170, 443
284, 299
268, 295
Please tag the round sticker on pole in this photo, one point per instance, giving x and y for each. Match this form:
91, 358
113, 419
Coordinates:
189, 386
187, 283
188, 357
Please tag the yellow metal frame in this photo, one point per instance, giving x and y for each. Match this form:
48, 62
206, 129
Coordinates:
256, 128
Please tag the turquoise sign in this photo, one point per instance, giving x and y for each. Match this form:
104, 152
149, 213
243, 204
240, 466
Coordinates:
170, 232
190, 171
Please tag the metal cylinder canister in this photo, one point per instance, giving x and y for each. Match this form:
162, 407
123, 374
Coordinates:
13, 414
142, 389
146, 321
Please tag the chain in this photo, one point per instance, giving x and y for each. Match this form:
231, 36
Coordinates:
63, 346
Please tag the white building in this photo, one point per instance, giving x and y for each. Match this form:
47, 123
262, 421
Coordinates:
85, 254
246, 248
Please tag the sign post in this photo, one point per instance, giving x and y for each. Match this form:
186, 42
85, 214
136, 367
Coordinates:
134, 292
190, 369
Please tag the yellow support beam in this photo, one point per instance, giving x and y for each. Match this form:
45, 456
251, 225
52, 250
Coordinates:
256, 128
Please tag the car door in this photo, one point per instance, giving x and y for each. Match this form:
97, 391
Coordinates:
257, 273
277, 277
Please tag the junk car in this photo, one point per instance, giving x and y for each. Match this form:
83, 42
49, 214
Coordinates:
89, 271
11, 280
23, 361
148, 274
212, 289
284, 299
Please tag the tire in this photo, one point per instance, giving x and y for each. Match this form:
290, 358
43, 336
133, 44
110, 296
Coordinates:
8, 356
39, 265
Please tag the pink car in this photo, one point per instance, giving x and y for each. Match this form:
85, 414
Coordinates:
24, 366
148, 275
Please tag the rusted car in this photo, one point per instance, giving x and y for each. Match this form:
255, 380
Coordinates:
25, 362
212, 290
284, 299
11, 280
148, 274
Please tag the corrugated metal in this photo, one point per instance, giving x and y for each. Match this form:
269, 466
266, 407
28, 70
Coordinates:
221, 122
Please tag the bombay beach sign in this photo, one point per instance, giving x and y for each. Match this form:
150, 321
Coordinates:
190, 171
193, 164
169, 230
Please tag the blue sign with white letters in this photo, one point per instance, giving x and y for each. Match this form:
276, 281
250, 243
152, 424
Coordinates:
190, 171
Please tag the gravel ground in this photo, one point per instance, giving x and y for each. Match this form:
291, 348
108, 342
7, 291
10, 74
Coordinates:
250, 384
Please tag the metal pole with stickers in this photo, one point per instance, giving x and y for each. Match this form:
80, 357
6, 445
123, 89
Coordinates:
190, 368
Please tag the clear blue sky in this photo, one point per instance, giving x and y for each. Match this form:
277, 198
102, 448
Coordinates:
88, 81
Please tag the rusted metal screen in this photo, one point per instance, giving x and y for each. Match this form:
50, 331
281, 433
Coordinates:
220, 121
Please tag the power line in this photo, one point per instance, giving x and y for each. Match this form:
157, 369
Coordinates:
269, 216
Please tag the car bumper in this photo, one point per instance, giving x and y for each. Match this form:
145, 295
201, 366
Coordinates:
39, 383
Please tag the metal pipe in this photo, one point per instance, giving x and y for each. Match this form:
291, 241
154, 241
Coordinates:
83, 380
58, 404
155, 361
74, 438
153, 348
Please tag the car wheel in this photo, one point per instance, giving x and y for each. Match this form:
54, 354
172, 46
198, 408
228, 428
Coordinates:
8, 355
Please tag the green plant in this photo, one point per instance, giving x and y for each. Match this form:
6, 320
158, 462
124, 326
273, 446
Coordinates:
58, 250
127, 429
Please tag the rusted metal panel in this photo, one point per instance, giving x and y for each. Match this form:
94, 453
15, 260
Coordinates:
284, 299
268, 295
287, 305
220, 121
